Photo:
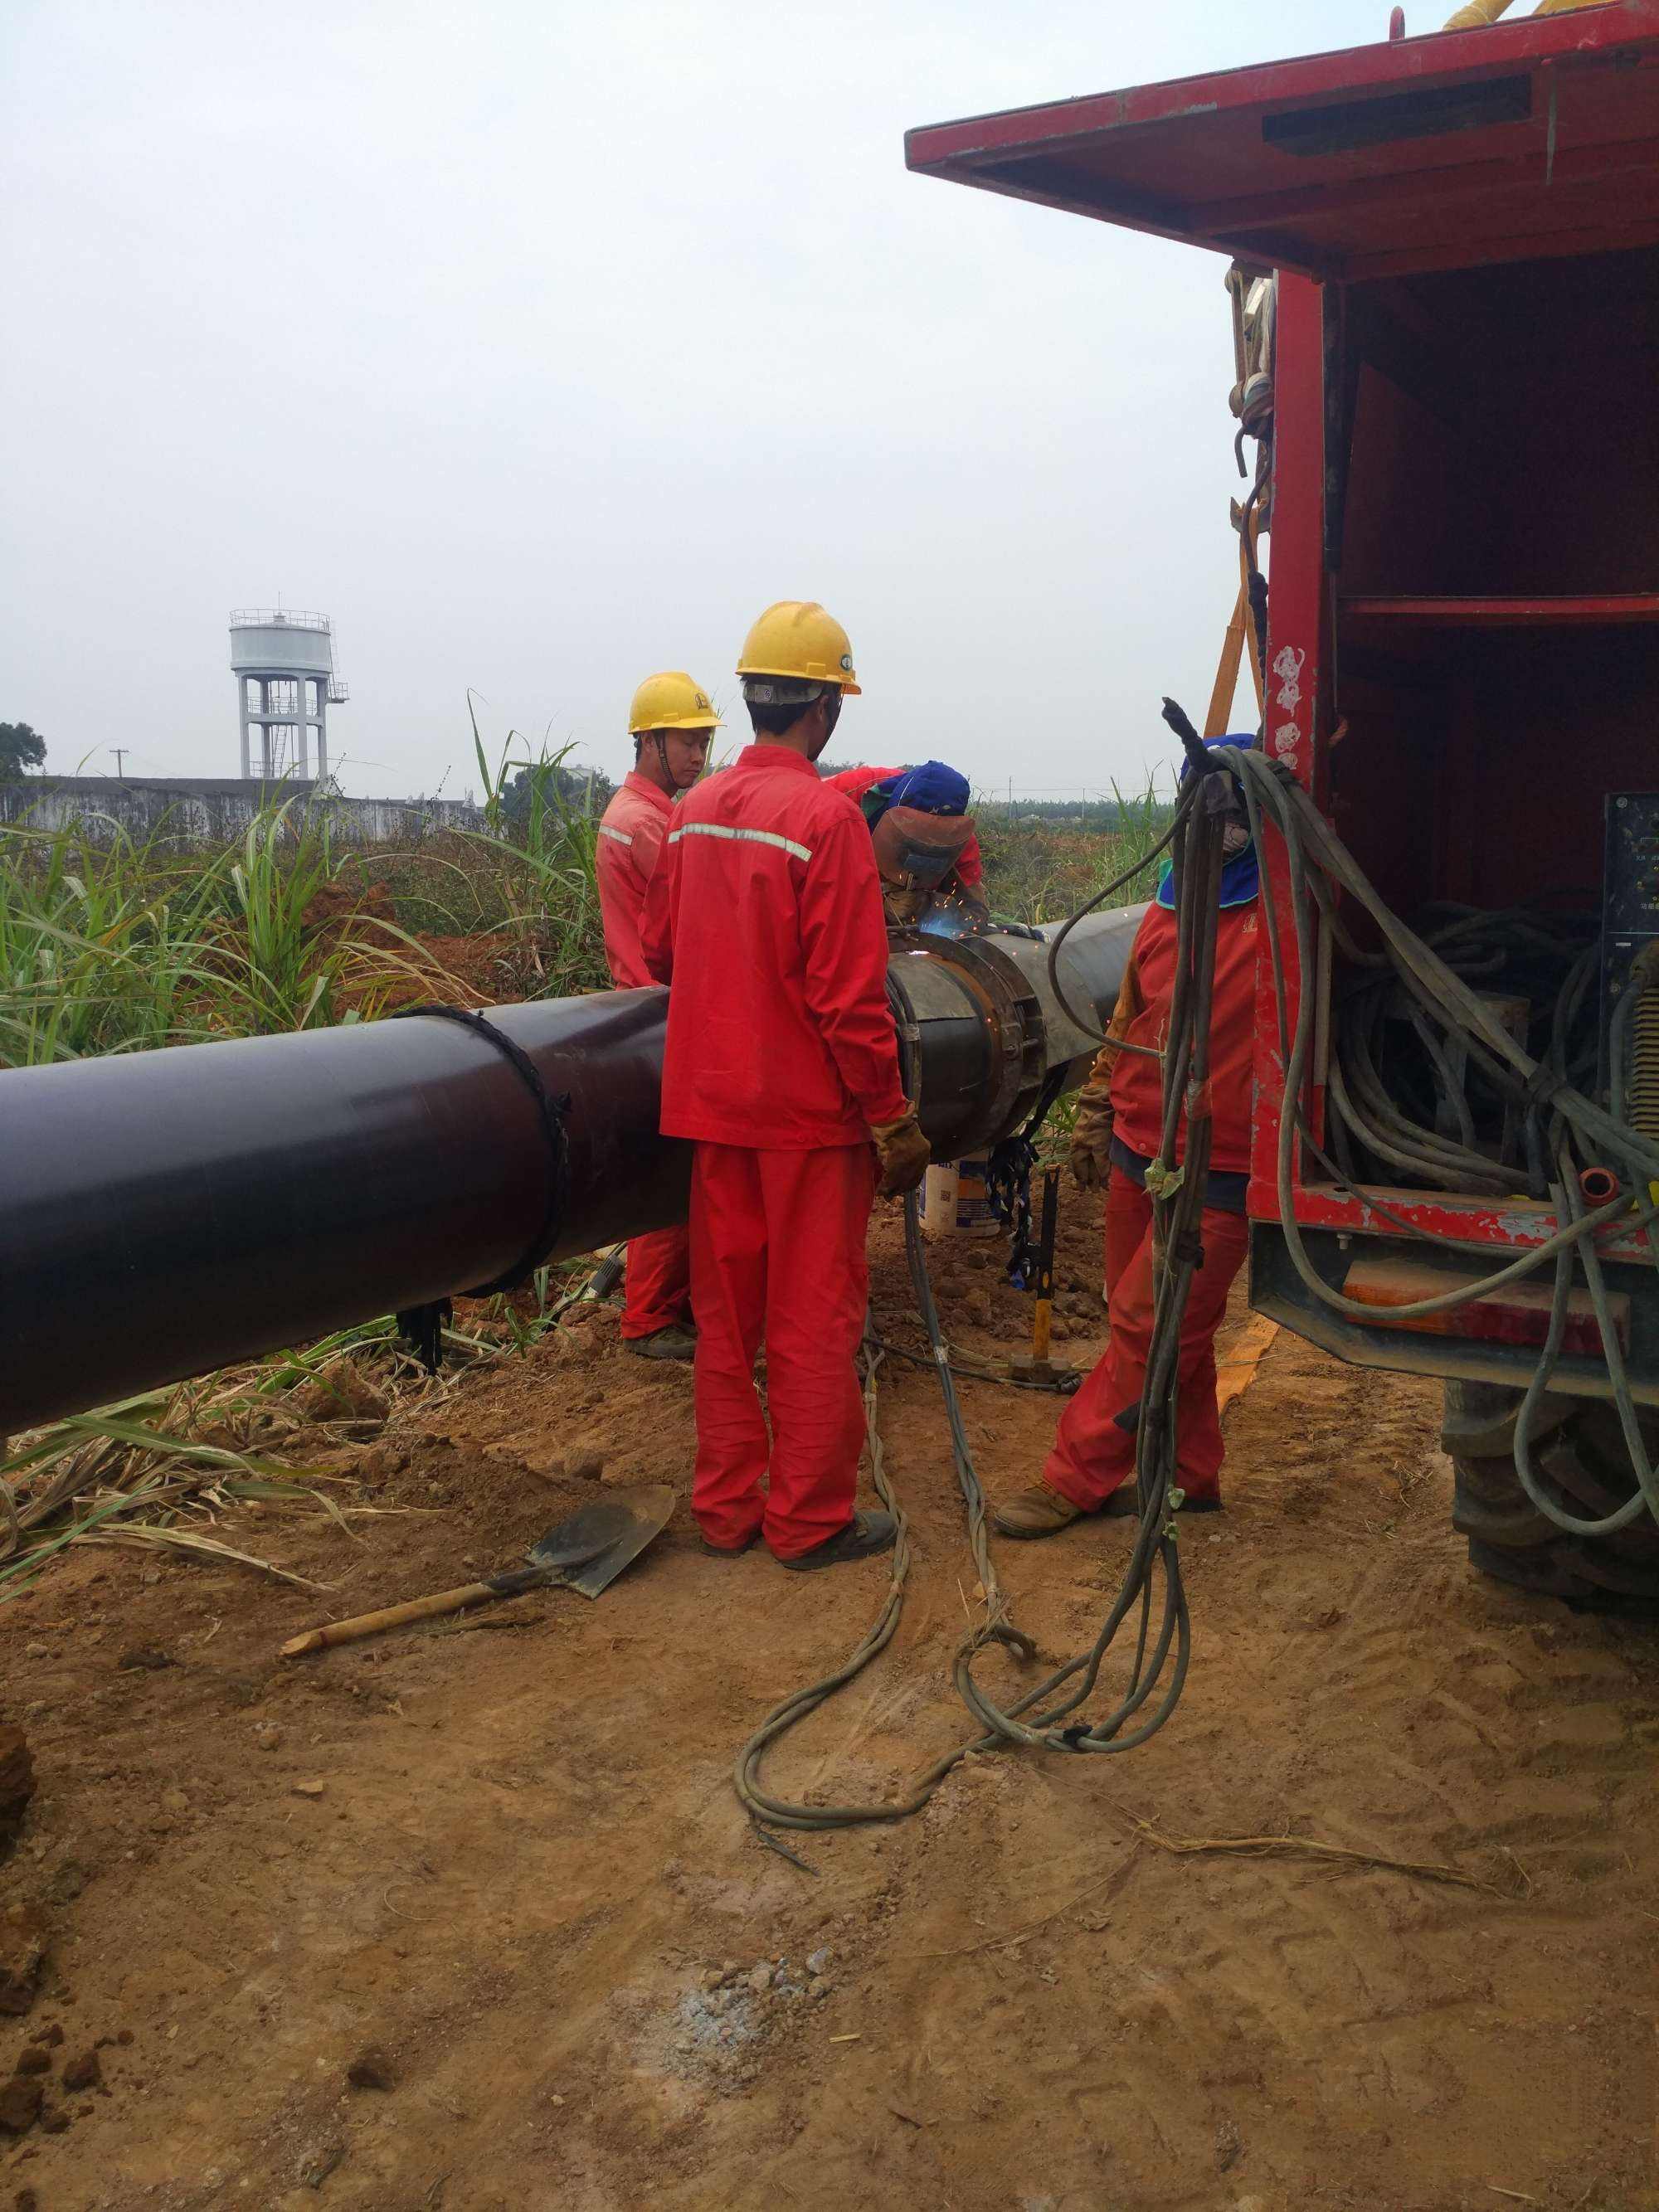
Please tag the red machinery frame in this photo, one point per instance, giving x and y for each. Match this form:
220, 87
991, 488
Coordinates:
1532, 138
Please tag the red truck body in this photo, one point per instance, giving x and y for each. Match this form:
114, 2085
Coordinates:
1463, 652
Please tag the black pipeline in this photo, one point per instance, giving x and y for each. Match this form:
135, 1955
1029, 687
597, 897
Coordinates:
165, 1214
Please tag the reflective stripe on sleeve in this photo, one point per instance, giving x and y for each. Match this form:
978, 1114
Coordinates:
618, 836
745, 836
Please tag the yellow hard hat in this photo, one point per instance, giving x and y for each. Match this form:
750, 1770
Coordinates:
796, 638
671, 701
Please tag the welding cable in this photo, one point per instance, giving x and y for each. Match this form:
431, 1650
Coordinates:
1154, 1543
1437, 985
1183, 808
1576, 1230
1537, 960
1447, 1086
967, 1374
1384, 1133
1292, 1105
777, 1811
1296, 1056
1645, 1496
1177, 1207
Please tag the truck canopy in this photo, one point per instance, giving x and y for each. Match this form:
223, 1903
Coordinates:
1379, 160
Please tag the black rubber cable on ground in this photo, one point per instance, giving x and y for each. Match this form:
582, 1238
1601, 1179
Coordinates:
1178, 1201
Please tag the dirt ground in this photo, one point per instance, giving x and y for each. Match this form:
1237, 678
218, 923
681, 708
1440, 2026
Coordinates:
470, 1918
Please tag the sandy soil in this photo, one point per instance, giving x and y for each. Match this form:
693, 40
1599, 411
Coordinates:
494, 1870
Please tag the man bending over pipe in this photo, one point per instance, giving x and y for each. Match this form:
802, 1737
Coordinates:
1117, 1132
782, 1066
926, 848
671, 722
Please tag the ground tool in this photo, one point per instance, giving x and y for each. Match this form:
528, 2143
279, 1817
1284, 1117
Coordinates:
585, 1552
1038, 1365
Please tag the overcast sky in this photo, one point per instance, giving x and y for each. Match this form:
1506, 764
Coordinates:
542, 344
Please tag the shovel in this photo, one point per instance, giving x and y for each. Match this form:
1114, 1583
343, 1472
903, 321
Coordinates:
586, 1551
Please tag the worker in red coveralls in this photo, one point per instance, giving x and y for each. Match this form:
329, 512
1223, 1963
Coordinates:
671, 722
1117, 1134
782, 1066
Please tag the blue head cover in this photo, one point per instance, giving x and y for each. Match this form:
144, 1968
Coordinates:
930, 787
1241, 877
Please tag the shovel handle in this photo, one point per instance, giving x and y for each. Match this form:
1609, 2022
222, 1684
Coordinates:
391, 1616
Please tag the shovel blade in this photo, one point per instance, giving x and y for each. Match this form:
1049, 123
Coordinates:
649, 1508
582, 1536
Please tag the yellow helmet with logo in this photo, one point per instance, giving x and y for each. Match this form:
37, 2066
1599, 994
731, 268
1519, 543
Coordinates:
795, 638
670, 701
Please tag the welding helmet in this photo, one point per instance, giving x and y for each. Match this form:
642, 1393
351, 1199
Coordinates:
919, 849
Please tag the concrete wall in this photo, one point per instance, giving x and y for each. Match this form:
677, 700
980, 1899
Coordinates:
200, 811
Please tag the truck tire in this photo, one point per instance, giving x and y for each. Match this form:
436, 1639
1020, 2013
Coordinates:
1583, 1463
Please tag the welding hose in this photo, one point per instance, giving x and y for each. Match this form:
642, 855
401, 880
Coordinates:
1178, 1199
1296, 1051
1179, 1211
1183, 809
1646, 1494
778, 1812
1479, 947
1437, 985
1448, 999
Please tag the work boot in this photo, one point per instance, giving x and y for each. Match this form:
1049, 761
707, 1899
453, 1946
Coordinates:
728, 1550
864, 1536
1038, 1511
670, 1343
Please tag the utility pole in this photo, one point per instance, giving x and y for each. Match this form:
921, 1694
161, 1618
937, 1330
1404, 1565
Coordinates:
120, 753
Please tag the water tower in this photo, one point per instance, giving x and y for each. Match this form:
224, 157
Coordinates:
283, 660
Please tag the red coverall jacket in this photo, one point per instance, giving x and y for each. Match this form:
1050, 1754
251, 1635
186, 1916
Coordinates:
631, 841
1142, 1015
766, 912
969, 868
631, 834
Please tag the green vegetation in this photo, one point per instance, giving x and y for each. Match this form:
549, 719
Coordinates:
1040, 866
110, 944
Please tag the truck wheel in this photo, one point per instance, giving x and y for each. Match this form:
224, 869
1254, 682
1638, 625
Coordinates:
1581, 1460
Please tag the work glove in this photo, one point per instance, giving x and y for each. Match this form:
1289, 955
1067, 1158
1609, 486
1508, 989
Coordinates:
903, 1154
1091, 1156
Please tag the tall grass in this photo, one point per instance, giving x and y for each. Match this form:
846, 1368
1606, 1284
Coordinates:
1043, 870
120, 945
544, 856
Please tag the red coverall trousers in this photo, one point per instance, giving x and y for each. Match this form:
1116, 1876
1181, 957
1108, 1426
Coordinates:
1092, 1456
778, 1252
657, 1289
